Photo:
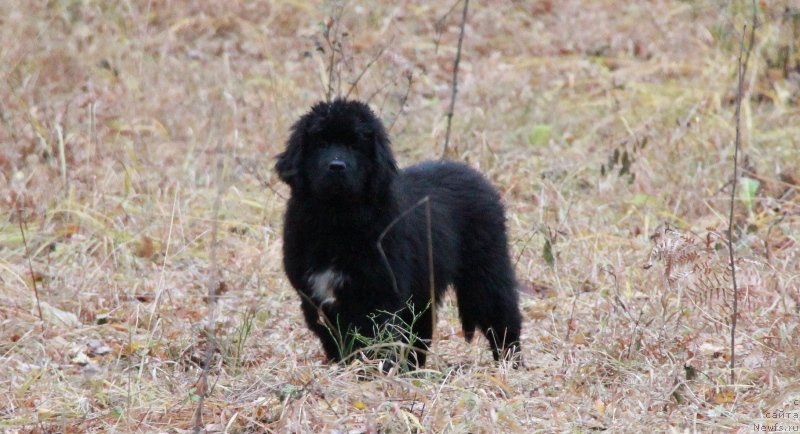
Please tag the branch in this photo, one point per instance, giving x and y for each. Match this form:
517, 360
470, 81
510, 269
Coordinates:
439, 26
366, 68
455, 79
403, 100
212, 296
397, 219
741, 71
30, 266
333, 24
431, 280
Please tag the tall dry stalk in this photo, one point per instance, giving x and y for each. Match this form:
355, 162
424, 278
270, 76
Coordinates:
213, 283
30, 266
742, 72
454, 87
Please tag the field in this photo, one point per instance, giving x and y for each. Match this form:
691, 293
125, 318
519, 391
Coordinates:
137, 144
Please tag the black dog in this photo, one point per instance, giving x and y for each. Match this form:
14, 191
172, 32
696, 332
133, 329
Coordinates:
356, 237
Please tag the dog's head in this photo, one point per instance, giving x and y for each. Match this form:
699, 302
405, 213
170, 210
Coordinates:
339, 153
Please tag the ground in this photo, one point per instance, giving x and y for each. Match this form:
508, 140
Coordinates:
137, 143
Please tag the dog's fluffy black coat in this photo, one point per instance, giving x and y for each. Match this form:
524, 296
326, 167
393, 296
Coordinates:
346, 191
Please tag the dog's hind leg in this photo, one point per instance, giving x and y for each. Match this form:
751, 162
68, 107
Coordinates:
487, 298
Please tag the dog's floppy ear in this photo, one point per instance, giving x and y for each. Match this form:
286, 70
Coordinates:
385, 164
288, 164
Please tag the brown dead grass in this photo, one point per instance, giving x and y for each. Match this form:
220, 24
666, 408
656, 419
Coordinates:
144, 93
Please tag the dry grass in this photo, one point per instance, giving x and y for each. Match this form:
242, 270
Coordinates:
111, 118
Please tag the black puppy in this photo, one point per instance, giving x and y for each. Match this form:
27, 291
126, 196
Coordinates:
356, 237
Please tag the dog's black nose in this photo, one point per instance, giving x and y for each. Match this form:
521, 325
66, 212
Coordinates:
337, 166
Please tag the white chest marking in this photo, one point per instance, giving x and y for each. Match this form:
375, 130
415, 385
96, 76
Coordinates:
324, 284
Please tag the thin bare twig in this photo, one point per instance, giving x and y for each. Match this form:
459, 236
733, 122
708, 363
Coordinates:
251, 167
439, 26
776, 222
366, 68
30, 266
455, 79
332, 26
212, 296
403, 100
62, 157
383, 87
430, 269
389, 227
742, 72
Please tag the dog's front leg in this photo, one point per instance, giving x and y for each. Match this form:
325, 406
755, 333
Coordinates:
329, 336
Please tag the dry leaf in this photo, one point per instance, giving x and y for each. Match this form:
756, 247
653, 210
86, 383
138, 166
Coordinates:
600, 406
97, 348
144, 247
579, 338
80, 359
726, 396
70, 230
55, 315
